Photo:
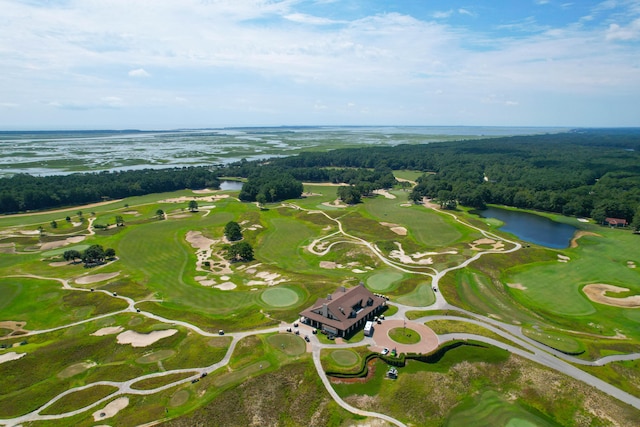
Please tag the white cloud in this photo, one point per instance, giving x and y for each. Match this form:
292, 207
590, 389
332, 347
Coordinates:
465, 12
443, 14
630, 32
139, 72
309, 19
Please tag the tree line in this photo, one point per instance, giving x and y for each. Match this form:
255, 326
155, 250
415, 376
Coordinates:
24, 192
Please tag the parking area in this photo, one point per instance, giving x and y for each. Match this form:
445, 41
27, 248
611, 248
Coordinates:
428, 338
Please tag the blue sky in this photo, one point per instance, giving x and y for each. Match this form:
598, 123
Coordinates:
165, 64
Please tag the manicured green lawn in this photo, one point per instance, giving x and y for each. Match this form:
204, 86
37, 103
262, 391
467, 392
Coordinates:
404, 335
384, 281
279, 297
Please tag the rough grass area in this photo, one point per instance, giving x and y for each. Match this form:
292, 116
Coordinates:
428, 393
555, 340
293, 396
155, 382
79, 399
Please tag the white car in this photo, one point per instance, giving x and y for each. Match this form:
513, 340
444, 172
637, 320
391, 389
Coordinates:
384, 351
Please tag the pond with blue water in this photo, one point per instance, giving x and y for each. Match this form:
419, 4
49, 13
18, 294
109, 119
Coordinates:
532, 228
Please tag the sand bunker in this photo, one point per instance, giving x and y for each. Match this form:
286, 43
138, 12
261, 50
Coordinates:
227, 286
384, 193
631, 264
517, 286
405, 205
11, 356
563, 258
395, 228
579, 234
597, 293
143, 340
185, 199
60, 243
203, 245
96, 278
111, 409
337, 203
108, 331
135, 213
329, 265
497, 245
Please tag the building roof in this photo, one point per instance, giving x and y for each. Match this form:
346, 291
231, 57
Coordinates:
344, 308
616, 221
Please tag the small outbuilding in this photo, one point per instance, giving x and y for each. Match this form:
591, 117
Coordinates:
616, 222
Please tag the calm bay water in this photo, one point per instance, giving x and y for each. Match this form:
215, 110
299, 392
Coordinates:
532, 228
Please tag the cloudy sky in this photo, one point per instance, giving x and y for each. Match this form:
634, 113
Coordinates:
164, 64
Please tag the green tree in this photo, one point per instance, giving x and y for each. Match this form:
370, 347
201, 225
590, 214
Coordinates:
193, 206
261, 199
350, 195
232, 231
71, 255
110, 253
54, 224
119, 221
635, 224
242, 251
94, 254
160, 214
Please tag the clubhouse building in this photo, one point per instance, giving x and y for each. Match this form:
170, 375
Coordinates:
345, 311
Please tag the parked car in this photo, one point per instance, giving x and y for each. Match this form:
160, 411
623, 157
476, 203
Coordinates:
220, 332
384, 351
306, 338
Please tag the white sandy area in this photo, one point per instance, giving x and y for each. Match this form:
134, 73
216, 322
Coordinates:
401, 256
59, 263
597, 293
108, 331
384, 193
358, 271
85, 280
396, 228
185, 199
563, 258
203, 246
227, 286
204, 191
143, 340
517, 286
583, 220
497, 245
337, 203
7, 357
30, 232
136, 213
225, 278
60, 243
207, 282
405, 205
111, 409
631, 264
329, 265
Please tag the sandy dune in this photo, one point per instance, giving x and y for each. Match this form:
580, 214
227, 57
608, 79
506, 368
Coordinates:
597, 293
7, 357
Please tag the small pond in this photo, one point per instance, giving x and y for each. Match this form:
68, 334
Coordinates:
532, 228
231, 185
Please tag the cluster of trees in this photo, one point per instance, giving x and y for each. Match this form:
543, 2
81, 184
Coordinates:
242, 251
23, 192
349, 194
233, 231
93, 255
269, 184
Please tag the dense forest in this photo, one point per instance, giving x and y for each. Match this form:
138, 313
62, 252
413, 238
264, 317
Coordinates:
593, 173
23, 192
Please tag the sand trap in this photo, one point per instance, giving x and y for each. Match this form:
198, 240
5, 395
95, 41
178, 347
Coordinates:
405, 205
225, 278
143, 340
563, 258
579, 234
111, 409
136, 213
358, 271
396, 228
60, 263
30, 232
204, 191
108, 331
517, 286
96, 278
596, 293
329, 265
207, 282
497, 245
227, 286
11, 356
631, 264
337, 203
60, 243
384, 193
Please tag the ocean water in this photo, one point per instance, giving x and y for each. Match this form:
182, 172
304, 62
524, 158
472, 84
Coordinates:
64, 152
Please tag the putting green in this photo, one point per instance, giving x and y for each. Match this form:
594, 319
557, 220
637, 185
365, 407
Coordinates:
291, 344
279, 297
383, 281
344, 357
